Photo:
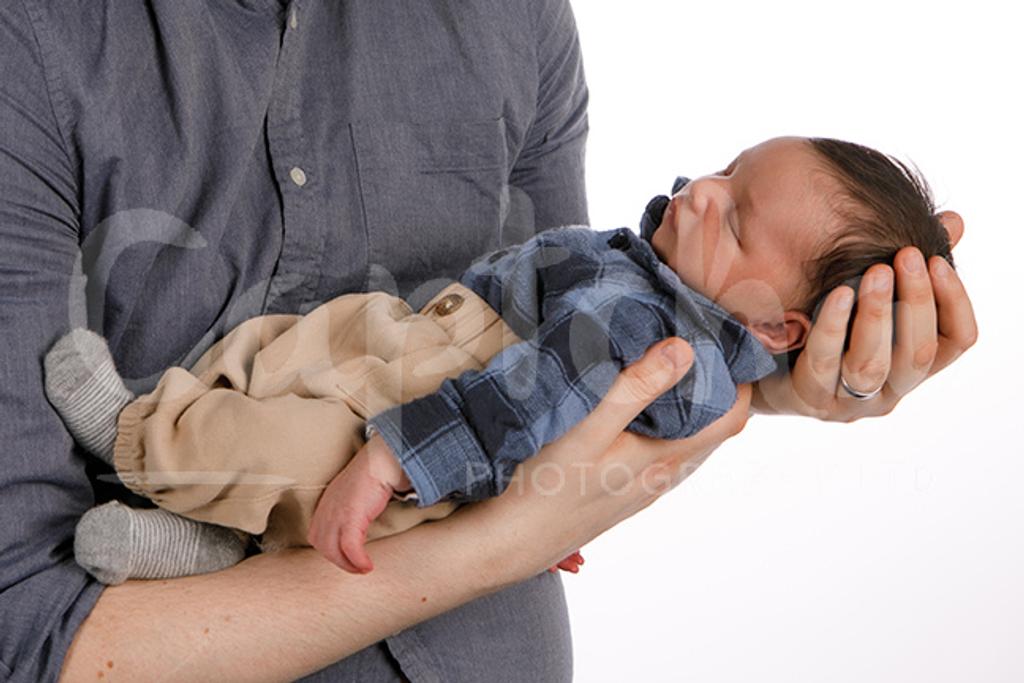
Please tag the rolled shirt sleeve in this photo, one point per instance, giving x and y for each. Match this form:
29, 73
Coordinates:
586, 311
465, 440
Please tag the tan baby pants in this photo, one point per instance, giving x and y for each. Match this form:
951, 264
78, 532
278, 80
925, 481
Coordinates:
271, 413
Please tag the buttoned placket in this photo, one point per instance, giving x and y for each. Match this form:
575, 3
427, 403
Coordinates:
298, 266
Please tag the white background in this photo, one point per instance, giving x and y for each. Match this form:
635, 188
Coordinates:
887, 550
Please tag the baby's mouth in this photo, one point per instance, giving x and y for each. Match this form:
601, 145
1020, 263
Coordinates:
654, 213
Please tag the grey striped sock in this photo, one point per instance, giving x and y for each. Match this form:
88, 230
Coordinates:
114, 543
83, 385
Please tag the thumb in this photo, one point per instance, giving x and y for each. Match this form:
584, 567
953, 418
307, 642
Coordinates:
660, 369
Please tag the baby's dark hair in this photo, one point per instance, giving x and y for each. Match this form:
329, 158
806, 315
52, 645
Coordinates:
883, 206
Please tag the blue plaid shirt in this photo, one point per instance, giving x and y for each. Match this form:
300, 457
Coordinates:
587, 304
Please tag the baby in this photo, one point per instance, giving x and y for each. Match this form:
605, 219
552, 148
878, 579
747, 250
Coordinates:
265, 435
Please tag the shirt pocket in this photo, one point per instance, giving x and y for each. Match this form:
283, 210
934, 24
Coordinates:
433, 196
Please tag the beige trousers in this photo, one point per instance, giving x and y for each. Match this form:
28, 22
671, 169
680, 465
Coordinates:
270, 414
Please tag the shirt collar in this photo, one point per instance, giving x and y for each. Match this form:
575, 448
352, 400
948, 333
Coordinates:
642, 252
714, 318
655, 209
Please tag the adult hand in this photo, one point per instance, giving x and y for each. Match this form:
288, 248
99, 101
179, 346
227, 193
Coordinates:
317, 614
934, 325
597, 474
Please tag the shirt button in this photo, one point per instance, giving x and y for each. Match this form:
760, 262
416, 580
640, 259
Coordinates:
298, 176
293, 20
448, 305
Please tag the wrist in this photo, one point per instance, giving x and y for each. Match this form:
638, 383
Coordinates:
384, 465
402, 485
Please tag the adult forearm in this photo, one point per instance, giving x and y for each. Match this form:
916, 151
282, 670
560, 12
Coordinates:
279, 616
276, 617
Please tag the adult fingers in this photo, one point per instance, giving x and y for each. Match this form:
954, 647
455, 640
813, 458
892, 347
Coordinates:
954, 225
664, 364
916, 335
816, 373
682, 457
727, 426
866, 364
958, 330
674, 461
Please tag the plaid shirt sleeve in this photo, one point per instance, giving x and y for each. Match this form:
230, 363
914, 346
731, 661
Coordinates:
584, 313
465, 440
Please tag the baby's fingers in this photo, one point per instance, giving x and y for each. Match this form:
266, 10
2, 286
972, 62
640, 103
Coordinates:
323, 536
342, 561
352, 544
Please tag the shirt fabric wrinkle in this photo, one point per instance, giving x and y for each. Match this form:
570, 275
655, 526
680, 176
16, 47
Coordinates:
187, 240
587, 305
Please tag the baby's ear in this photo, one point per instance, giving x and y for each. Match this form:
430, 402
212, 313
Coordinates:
787, 335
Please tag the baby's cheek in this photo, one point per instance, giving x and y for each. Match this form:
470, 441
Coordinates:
751, 299
713, 273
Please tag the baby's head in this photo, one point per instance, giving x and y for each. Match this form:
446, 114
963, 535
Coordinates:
789, 220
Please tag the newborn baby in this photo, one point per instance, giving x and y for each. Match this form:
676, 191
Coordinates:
495, 366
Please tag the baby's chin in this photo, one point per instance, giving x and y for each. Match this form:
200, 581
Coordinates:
700, 286
662, 242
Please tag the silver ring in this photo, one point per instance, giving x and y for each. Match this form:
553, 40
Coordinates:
859, 395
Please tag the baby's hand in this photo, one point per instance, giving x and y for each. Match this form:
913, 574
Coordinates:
569, 564
356, 497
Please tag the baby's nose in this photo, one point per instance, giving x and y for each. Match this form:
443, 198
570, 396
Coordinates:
703, 193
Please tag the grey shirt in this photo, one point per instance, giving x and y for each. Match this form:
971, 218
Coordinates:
169, 168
